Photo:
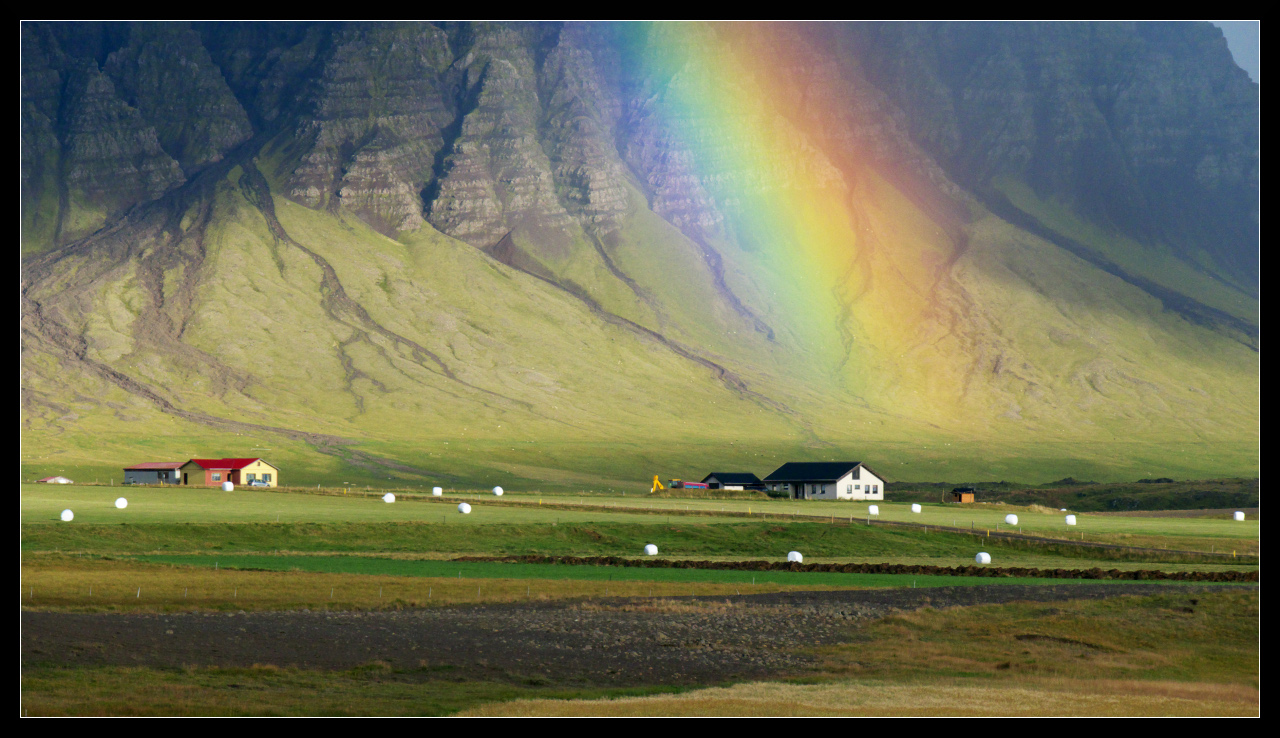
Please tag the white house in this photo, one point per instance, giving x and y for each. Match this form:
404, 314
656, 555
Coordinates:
826, 480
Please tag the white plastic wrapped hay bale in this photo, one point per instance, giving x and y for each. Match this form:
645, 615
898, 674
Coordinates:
1011, 519
228, 486
497, 491
983, 558
796, 556
651, 550
1071, 520
388, 497
464, 508
916, 508
436, 491
67, 516
121, 503
873, 510
1239, 515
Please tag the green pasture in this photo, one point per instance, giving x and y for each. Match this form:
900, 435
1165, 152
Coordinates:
682, 539
42, 503
177, 520
973, 516
494, 570
93, 504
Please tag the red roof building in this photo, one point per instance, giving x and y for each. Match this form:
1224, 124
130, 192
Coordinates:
221, 463
213, 472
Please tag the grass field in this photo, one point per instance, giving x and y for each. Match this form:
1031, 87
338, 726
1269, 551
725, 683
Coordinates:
337, 582
150, 507
1148, 494
957, 697
43, 503
362, 584
272, 691
681, 538
175, 550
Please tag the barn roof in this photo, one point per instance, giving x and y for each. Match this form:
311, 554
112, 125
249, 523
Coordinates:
152, 465
733, 477
218, 464
817, 471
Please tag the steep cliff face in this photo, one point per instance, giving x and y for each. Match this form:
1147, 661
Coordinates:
153, 113
496, 175
578, 85
1150, 128
113, 156
373, 125
811, 234
166, 74
41, 148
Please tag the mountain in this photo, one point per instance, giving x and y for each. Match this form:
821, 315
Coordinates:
582, 254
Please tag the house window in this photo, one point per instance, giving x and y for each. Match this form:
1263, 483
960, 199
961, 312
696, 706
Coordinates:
848, 488
217, 477
266, 477
857, 486
251, 477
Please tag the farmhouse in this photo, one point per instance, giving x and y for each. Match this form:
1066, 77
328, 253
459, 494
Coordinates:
212, 472
826, 480
733, 480
152, 472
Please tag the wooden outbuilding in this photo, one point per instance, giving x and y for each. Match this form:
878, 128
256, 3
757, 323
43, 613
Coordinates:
962, 494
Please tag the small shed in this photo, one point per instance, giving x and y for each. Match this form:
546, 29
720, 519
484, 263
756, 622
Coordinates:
962, 494
152, 472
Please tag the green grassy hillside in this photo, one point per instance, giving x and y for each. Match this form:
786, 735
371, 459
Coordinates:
267, 328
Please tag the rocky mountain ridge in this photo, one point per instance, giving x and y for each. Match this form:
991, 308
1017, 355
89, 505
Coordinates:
1148, 127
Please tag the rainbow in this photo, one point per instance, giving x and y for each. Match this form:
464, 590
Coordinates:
769, 125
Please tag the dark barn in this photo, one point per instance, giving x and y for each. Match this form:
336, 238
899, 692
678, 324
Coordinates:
152, 472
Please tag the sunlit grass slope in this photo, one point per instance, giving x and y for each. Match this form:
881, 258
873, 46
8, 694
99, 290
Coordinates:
424, 360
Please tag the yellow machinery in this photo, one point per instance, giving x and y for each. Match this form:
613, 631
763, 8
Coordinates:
657, 484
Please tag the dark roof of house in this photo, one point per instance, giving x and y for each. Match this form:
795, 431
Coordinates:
733, 477
817, 471
217, 464
154, 465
